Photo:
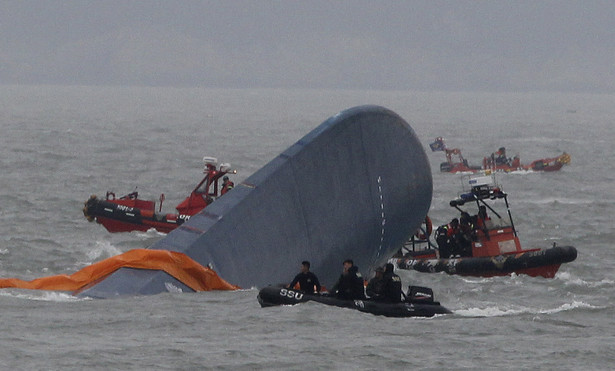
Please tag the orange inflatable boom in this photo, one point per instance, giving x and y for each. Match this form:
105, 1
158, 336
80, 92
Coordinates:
176, 264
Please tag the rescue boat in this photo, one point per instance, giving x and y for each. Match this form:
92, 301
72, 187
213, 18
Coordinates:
129, 213
419, 302
497, 161
483, 245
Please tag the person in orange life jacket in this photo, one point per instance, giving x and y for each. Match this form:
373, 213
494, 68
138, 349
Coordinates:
350, 284
391, 290
227, 185
308, 282
445, 237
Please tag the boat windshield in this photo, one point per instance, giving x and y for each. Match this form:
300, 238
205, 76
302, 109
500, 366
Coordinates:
495, 222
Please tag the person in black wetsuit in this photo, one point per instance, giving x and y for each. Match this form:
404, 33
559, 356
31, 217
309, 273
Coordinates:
308, 282
465, 236
391, 290
350, 284
375, 285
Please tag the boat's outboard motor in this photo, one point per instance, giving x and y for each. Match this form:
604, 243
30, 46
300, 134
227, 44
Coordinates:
420, 294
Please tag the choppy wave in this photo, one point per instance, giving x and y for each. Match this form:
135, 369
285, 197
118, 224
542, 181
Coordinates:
102, 249
497, 311
569, 279
52, 296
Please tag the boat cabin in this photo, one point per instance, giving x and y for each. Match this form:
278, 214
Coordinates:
494, 232
207, 190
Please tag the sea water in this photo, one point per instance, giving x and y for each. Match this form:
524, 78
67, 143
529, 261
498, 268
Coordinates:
62, 144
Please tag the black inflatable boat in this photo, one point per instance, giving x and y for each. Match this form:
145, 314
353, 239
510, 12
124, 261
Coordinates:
420, 302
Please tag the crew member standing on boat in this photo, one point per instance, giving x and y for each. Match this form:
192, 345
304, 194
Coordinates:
445, 237
308, 282
391, 289
481, 219
466, 234
227, 185
350, 284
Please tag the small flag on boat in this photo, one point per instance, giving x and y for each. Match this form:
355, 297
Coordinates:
437, 145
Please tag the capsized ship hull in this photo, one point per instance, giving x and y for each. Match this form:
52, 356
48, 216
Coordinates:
355, 187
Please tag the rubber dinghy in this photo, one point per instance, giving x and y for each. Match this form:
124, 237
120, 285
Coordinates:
355, 187
420, 302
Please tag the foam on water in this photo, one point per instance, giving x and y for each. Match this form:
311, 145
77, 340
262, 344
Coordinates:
51, 296
172, 288
102, 249
497, 311
569, 279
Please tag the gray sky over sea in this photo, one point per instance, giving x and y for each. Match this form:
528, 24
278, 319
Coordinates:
401, 45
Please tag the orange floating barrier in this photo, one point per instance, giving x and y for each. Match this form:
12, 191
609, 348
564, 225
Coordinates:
176, 264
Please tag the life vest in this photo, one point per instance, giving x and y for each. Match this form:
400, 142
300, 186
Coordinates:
447, 230
227, 187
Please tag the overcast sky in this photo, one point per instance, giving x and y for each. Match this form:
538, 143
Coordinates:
402, 45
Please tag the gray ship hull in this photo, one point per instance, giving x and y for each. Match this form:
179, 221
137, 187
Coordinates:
355, 187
